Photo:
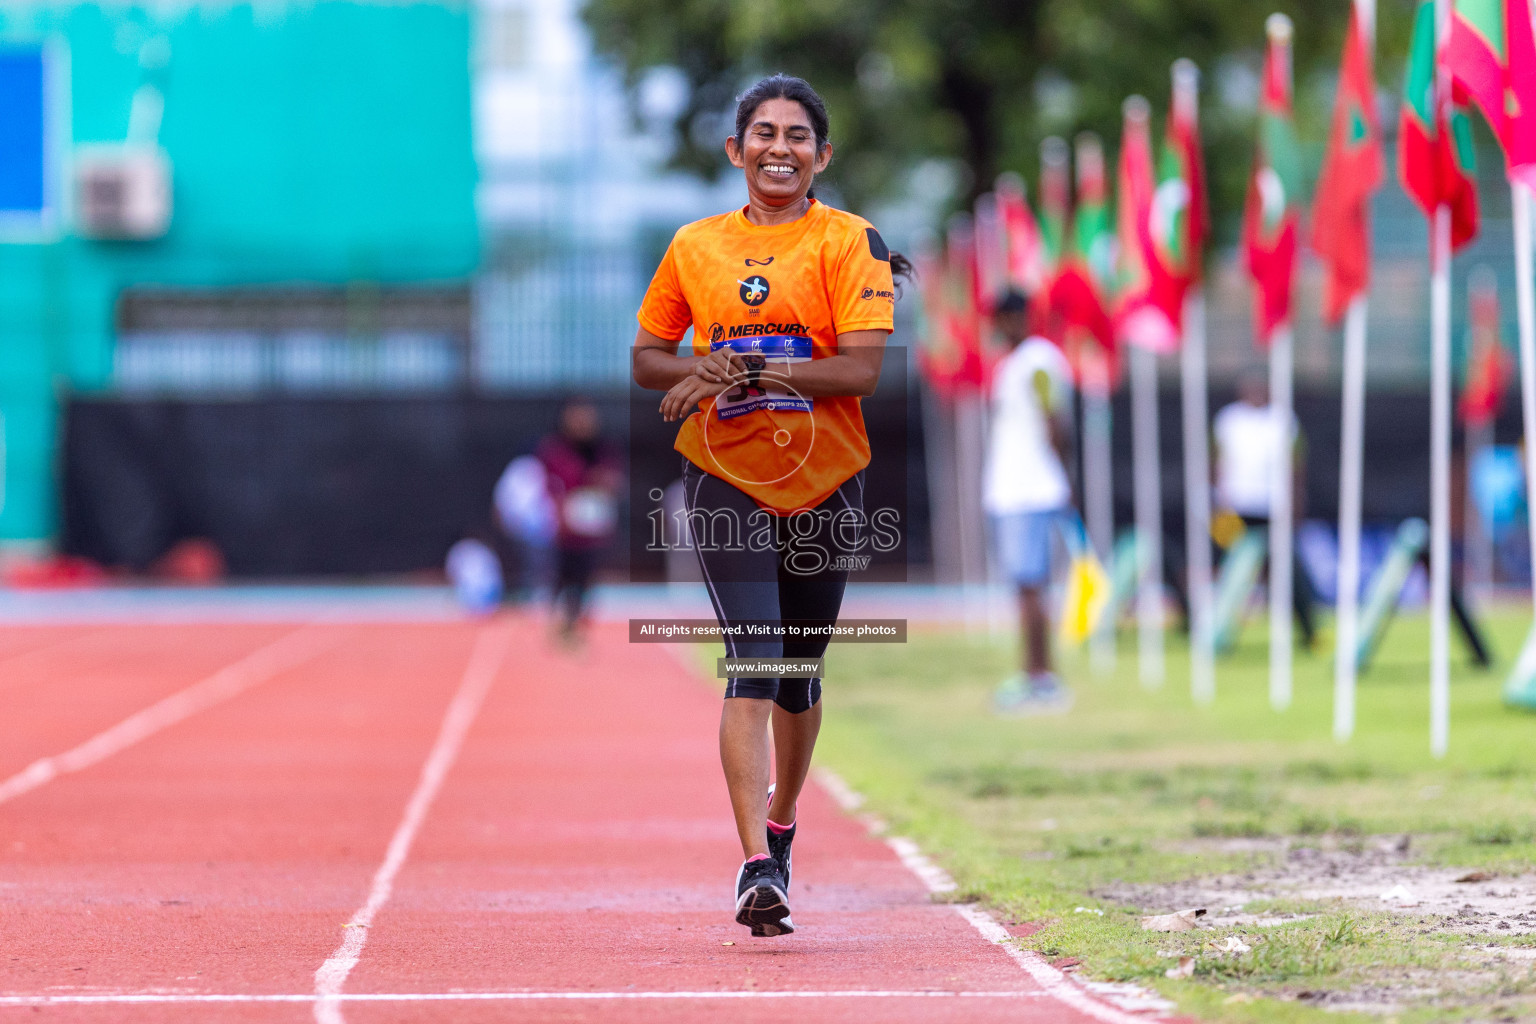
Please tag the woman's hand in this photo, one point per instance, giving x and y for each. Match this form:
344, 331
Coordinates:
686, 393
720, 366
711, 374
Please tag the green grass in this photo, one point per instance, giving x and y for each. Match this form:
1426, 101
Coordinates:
1032, 815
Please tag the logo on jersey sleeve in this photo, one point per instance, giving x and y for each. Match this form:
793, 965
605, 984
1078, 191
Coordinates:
754, 290
877, 247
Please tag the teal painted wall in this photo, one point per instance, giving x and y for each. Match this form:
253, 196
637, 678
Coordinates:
311, 142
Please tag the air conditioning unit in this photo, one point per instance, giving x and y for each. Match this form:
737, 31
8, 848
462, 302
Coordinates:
122, 191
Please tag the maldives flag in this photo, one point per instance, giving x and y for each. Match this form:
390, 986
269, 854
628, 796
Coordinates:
1435, 158
1489, 367
951, 353
1273, 206
1023, 247
1084, 280
1341, 230
1491, 57
962, 317
991, 258
1180, 215
1147, 310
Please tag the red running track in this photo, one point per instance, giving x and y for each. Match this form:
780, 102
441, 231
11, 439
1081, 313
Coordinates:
516, 833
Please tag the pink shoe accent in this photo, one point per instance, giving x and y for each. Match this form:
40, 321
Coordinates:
760, 856
778, 829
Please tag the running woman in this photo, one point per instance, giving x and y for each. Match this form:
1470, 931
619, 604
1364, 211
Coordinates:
790, 302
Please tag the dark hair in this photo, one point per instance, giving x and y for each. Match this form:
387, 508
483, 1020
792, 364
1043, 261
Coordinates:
788, 87
1011, 301
783, 87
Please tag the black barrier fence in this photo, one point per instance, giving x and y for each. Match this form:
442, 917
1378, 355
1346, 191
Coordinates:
289, 486
359, 485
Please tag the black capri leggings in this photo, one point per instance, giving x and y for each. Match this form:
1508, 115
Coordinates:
767, 569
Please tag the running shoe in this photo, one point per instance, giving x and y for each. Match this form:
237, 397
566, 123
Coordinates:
761, 901
1040, 693
779, 844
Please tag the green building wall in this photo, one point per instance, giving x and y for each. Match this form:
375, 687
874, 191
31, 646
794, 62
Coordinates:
323, 143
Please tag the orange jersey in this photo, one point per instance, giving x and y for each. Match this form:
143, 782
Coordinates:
780, 295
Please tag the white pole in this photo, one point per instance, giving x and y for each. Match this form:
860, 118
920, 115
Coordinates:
1281, 408
969, 441
1098, 486
1351, 453
1197, 501
1525, 298
1351, 457
1149, 516
1440, 486
1197, 448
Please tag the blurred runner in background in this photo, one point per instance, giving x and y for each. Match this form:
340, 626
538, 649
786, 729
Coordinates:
1244, 456
1025, 491
583, 478
529, 521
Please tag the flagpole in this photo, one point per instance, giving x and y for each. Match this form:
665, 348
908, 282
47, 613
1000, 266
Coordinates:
1525, 299
1197, 500
1098, 429
1351, 458
1149, 516
1281, 404
1098, 485
1440, 443
1148, 477
1440, 485
1197, 447
1351, 453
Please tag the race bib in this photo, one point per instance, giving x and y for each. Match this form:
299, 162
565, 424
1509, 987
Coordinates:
771, 356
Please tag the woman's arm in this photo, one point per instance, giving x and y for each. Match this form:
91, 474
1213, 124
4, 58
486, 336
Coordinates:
853, 370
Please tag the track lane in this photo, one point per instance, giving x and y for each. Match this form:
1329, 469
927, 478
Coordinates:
222, 854
583, 844
90, 678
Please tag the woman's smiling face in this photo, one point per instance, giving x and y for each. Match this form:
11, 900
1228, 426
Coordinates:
778, 153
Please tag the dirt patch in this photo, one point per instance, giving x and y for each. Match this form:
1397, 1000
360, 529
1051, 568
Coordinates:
1372, 873
1490, 979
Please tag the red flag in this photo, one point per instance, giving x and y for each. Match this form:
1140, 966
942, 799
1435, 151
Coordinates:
1023, 247
1273, 206
1182, 220
1489, 366
1341, 229
1148, 310
951, 355
991, 258
1491, 58
1520, 93
1080, 293
1434, 137
962, 318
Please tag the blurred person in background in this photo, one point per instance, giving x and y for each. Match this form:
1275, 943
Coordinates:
1026, 493
1244, 449
790, 302
582, 476
529, 522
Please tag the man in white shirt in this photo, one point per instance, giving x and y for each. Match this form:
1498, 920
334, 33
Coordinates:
1245, 458
1025, 490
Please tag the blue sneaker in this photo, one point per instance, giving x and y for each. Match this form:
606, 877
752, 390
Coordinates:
1040, 693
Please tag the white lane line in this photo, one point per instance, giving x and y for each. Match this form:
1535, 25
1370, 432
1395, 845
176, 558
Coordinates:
443, 997
491, 647
1053, 983
260, 665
